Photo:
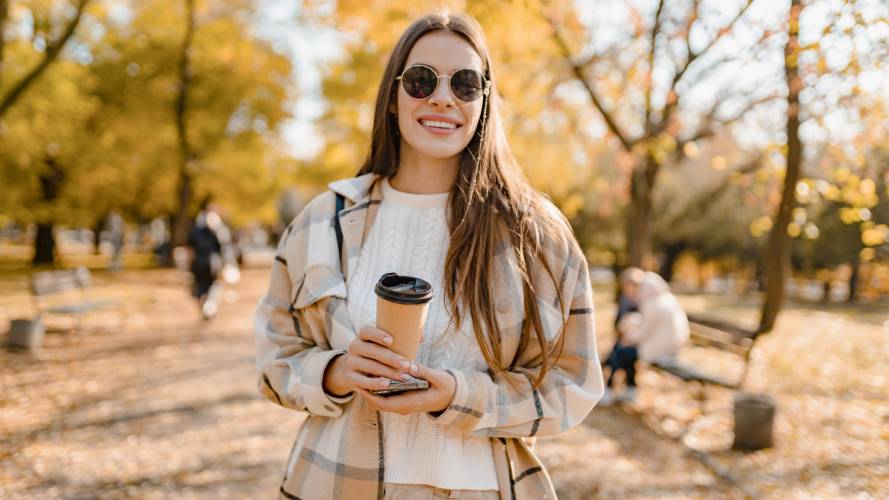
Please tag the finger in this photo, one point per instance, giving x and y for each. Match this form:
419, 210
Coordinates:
374, 334
375, 368
378, 402
381, 354
429, 374
369, 383
403, 403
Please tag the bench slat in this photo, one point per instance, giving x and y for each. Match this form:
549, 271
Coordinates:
48, 282
690, 373
737, 332
80, 307
710, 337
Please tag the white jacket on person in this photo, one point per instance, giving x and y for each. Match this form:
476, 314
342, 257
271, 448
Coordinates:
660, 328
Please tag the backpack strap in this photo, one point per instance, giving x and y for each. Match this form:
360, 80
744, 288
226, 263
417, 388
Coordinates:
340, 204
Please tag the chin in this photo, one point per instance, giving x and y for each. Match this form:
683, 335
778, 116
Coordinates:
438, 151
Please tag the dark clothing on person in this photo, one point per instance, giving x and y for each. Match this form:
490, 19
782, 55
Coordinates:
624, 306
204, 266
623, 357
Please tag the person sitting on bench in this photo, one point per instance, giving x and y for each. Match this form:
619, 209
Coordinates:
655, 333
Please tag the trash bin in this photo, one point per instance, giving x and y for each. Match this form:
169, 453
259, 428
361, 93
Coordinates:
26, 334
754, 421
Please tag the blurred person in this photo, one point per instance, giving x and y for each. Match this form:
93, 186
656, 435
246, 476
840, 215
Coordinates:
623, 357
116, 229
160, 240
653, 334
210, 244
508, 345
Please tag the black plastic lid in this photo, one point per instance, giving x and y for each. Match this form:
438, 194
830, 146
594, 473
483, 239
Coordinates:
403, 289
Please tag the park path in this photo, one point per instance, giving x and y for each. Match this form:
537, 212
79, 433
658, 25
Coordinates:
165, 407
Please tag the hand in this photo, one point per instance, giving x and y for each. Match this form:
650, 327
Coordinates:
442, 387
369, 364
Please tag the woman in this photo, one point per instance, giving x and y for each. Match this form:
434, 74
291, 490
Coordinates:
654, 334
508, 346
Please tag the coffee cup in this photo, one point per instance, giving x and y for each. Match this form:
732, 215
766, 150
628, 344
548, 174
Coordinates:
402, 305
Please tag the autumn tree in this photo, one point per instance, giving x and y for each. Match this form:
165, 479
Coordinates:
850, 42
100, 123
662, 81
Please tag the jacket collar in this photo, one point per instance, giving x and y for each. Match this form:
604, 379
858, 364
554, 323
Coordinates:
354, 189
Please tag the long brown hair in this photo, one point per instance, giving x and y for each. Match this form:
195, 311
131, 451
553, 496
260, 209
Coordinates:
491, 201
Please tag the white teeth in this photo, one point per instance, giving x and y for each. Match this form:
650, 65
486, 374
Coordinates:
437, 124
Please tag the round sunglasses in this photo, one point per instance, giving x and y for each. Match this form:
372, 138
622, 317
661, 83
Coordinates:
419, 82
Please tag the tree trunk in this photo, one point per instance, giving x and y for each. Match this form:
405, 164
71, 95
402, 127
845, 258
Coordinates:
97, 234
672, 252
853, 281
44, 245
777, 255
639, 213
51, 182
182, 219
4, 12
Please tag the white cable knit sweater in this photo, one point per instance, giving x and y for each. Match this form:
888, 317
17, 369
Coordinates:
410, 236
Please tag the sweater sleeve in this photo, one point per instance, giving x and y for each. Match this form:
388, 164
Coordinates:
506, 404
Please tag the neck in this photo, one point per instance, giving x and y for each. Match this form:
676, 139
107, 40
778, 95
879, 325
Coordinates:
424, 175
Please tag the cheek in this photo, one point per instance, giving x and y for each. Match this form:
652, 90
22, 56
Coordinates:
473, 119
405, 111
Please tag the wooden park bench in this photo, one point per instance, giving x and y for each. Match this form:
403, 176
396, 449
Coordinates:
66, 292
706, 332
753, 414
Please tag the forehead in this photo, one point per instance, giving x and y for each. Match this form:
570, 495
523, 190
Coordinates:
444, 52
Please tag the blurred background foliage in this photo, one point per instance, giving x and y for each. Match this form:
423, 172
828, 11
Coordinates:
659, 127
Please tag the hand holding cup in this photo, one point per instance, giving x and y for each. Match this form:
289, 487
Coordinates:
369, 364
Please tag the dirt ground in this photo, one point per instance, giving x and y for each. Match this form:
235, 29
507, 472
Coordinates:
163, 405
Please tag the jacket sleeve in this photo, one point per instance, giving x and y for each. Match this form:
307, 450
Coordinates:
292, 347
506, 404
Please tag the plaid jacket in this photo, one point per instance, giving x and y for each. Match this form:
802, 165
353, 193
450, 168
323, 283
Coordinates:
303, 322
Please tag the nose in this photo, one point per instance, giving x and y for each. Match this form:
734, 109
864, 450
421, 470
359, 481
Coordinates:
442, 95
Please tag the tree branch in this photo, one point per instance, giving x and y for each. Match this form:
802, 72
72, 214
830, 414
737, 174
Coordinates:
652, 48
703, 200
714, 124
578, 73
672, 95
52, 52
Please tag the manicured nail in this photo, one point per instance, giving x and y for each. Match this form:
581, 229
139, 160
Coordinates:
405, 364
387, 340
414, 368
383, 382
404, 377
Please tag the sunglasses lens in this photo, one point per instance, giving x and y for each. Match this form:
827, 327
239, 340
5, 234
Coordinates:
419, 82
467, 84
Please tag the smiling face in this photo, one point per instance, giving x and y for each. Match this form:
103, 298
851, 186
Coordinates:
440, 126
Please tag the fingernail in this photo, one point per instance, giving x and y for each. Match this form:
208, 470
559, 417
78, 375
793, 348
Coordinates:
405, 377
414, 368
383, 382
405, 364
387, 339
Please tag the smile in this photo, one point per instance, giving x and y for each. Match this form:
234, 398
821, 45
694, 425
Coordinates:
438, 124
